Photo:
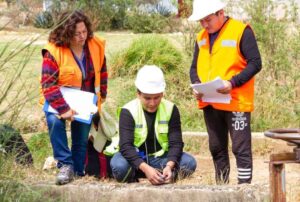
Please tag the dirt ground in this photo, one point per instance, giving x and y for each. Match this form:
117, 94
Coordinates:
204, 175
205, 171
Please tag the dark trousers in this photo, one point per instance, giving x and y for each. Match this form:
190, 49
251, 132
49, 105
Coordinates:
219, 123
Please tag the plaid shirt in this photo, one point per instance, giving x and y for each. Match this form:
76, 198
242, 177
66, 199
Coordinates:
49, 81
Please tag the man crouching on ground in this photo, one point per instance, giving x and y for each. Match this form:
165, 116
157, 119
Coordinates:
150, 135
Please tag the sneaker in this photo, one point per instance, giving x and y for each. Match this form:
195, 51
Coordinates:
65, 175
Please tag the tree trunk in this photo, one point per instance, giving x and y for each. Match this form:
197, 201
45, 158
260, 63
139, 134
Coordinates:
180, 8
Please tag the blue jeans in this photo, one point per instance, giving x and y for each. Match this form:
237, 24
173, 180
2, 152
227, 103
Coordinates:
124, 172
58, 137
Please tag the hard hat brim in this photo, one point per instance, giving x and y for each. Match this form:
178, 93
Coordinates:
196, 15
150, 90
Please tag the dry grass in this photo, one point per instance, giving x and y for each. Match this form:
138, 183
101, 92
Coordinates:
204, 175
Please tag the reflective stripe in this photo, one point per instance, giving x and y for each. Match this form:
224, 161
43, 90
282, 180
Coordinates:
127, 174
244, 169
229, 43
157, 154
163, 122
248, 173
202, 42
139, 126
97, 89
244, 177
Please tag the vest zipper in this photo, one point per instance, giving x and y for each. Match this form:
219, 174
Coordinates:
147, 160
154, 142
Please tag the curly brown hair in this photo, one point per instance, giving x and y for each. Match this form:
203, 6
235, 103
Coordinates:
62, 35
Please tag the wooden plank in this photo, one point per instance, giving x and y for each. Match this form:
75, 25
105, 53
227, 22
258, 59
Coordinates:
283, 162
288, 156
277, 182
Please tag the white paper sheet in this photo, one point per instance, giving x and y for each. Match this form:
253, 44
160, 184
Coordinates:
80, 101
209, 91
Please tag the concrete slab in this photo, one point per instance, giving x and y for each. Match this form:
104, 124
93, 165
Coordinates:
148, 193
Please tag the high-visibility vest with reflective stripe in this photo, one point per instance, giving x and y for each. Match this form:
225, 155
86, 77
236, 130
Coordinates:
161, 126
225, 60
69, 72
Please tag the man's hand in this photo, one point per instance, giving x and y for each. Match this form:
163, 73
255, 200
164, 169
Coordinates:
153, 175
226, 89
167, 171
69, 115
197, 95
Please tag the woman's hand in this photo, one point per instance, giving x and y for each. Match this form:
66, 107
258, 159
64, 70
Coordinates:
69, 115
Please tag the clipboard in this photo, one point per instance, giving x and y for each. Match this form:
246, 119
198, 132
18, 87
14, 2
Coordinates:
84, 103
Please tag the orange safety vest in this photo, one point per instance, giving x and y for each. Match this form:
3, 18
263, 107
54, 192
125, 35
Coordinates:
69, 72
225, 61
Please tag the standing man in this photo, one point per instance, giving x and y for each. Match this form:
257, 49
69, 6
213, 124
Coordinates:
226, 48
150, 135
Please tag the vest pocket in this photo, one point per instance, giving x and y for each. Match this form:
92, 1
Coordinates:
138, 138
163, 129
67, 77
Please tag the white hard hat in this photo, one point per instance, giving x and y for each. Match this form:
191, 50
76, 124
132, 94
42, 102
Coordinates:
150, 80
203, 8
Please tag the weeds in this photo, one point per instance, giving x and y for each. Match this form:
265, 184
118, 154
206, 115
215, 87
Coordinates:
149, 49
40, 148
154, 49
276, 85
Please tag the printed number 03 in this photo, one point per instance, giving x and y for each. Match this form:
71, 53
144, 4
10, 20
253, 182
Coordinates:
239, 125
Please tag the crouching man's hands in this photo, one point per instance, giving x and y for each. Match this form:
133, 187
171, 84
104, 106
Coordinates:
167, 172
153, 175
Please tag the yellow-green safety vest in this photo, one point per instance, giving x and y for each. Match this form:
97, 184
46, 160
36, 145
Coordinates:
161, 126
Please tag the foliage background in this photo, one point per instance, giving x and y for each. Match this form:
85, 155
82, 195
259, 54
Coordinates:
277, 102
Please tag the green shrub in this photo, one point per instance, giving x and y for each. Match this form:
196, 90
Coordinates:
15, 190
157, 50
106, 14
140, 22
40, 148
43, 20
150, 49
278, 82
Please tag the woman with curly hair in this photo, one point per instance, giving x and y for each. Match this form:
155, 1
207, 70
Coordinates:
75, 58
